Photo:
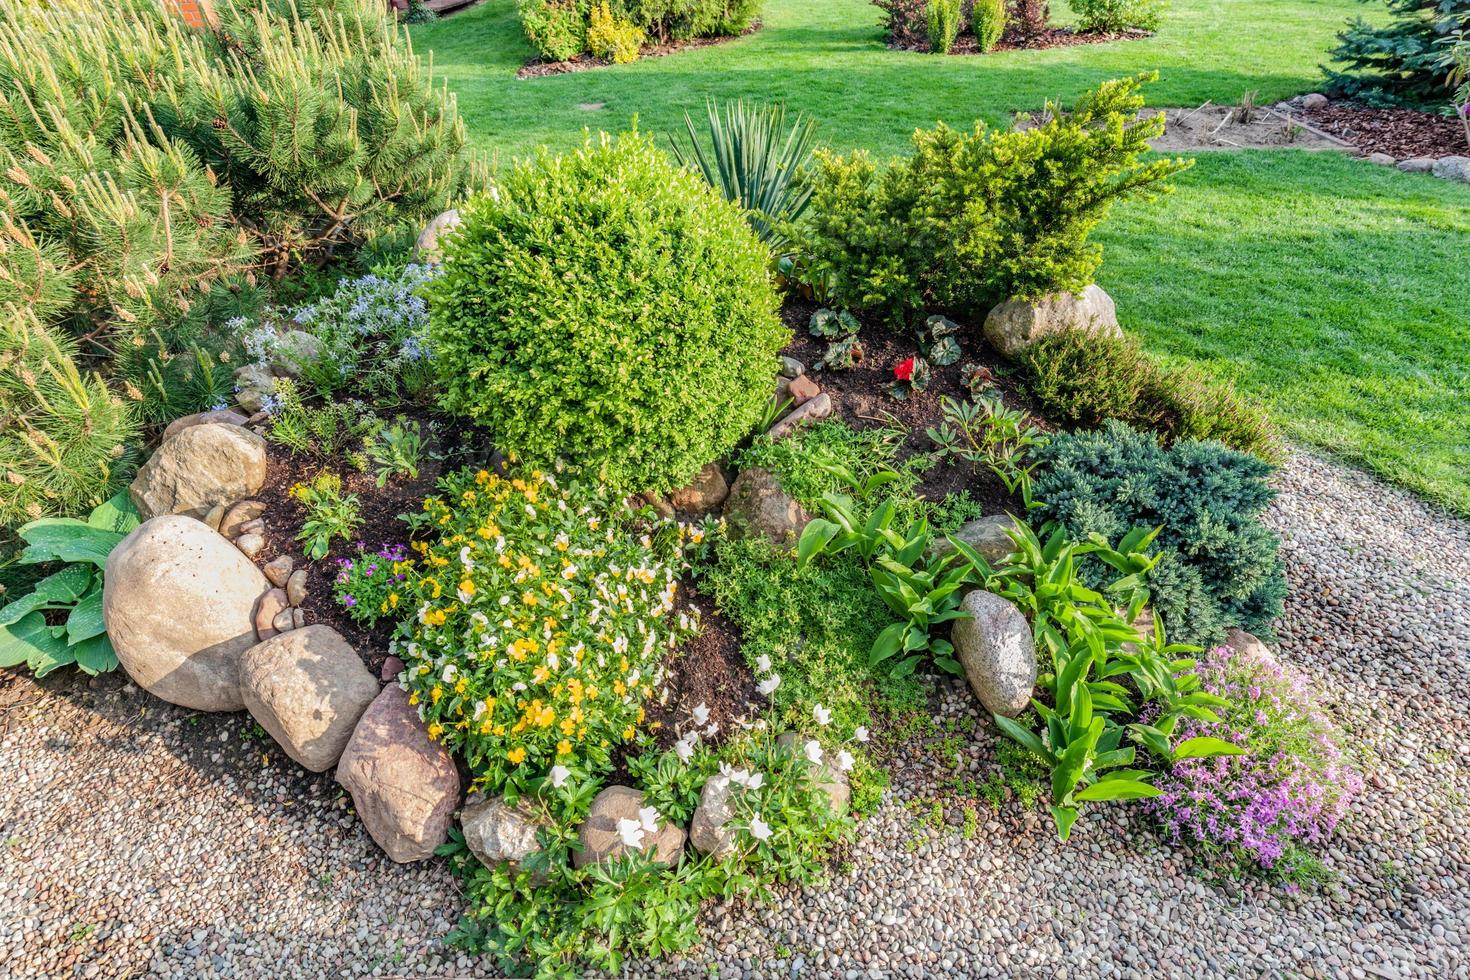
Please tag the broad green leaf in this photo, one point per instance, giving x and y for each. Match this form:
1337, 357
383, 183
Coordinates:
48, 656
814, 538
117, 514
887, 643
1023, 737
96, 655
1116, 789
29, 641
1065, 817
64, 539
58, 589
1204, 747
85, 620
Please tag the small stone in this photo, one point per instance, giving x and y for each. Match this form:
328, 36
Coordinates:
278, 570
1382, 159
253, 385
791, 367
250, 544
758, 505
497, 833
994, 645
987, 535
709, 829
298, 617
256, 526
295, 587
427, 247
391, 668
807, 413
215, 516
660, 506
272, 604
293, 352
706, 493
802, 389
1417, 165
283, 622
242, 513
1314, 100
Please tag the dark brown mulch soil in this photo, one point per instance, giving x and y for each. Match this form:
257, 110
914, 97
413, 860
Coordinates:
537, 68
1052, 37
458, 444
1401, 133
861, 398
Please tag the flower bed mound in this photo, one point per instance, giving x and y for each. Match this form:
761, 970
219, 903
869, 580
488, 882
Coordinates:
537, 68
1401, 133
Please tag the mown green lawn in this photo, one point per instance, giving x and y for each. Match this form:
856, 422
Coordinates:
1336, 291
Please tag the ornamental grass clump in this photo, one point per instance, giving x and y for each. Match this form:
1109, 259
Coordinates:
1292, 786
537, 620
609, 309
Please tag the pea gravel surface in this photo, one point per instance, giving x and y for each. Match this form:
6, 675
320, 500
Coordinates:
140, 839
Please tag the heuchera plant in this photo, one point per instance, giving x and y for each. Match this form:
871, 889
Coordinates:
1290, 788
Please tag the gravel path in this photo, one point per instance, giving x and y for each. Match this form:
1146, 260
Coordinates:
142, 839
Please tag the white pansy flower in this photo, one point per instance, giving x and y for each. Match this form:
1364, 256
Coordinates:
763, 664
769, 685
559, 775
821, 714
860, 733
844, 760
701, 713
759, 829
648, 817
464, 557
631, 833
813, 750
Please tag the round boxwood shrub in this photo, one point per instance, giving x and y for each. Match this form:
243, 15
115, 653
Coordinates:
609, 309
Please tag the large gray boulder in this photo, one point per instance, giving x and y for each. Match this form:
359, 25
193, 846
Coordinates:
601, 840
198, 468
178, 601
987, 535
307, 688
1452, 168
497, 833
995, 647
1017, 324
404, 784
758, 505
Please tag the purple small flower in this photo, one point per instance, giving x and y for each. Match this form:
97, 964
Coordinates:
349, 601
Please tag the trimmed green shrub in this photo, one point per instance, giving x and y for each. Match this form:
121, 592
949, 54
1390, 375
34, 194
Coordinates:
612, 38
1402, 61
1080, 378
1108, 16
557, 29
944, 25
560, 30
988, 21
973, 219
608, 308
1220, 565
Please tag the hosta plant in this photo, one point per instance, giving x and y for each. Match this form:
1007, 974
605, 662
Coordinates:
59, 622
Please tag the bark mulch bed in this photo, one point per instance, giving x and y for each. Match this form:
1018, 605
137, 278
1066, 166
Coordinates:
536, 68
1052, 37
1400, 133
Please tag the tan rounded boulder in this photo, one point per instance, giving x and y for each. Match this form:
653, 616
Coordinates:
403, 783
198, 468
602, 839
757, 505
1017, 324
179, 603
307, 688
994, 645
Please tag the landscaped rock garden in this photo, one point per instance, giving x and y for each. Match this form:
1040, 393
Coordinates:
629, 554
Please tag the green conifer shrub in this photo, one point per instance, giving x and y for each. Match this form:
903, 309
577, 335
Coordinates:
1220, 566
988, 21
1401, 61
973, 219
610, 309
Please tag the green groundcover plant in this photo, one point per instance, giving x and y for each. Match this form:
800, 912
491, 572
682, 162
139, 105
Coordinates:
1219, 566
610, 309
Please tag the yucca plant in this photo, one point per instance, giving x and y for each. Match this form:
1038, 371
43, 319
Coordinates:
756, 161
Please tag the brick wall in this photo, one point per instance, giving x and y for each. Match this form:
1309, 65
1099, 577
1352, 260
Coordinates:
196, 13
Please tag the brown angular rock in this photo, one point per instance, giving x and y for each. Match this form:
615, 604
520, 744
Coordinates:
199, 467
706, 493
803, 389
600, 835
217, 417
272, 604
807, 413
278, 570
758, 505
403, 784
242, 513
497, 833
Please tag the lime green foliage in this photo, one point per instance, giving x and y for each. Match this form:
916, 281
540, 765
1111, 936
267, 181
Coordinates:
1119, 15
988, 21
1220, 565
608, 308
79, 637
808, 464
970, 220
1350, 341
756, 161
1082, 379
612, 38
557, 29
944, 25
330, 514
326, 430
64, 434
